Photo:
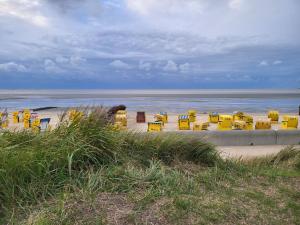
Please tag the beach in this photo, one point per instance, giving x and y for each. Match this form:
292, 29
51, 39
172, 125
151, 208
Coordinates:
256, 102
172, 126
132, 125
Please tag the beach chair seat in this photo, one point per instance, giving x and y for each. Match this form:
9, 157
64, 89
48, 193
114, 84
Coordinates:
45, 124
197, 126
273, 116
238, 116
289, 122
263, 125
184, 122
192, 115
155, 126
15, 117
121, 117
213, 117
225, 122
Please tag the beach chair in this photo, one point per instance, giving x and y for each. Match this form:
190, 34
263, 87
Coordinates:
35, 124
4, 119
249, 121
239, 125
263, 125
225, 122
44, 124
155, 126
15, 117
140, 117
119, 126
161, 117
26, 119
274, 116
192, 115
121, 117
238, 116
197, 126
184, 122
289, 122
213, 117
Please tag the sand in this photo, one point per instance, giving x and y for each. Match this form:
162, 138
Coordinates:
228, 151
250, 151
173, 126
54, 114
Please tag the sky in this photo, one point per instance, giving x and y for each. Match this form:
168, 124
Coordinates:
143, 44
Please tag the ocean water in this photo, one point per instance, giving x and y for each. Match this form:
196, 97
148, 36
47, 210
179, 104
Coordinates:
177, 101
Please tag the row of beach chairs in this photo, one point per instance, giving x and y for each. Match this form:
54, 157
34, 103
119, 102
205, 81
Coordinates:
29, 119
236, 121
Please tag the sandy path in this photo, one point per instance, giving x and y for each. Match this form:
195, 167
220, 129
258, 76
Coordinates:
250, 151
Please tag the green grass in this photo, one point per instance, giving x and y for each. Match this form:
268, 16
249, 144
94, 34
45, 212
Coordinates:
87, 173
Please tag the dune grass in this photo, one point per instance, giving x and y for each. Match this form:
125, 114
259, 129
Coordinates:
88, 173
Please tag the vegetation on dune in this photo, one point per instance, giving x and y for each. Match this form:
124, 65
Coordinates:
87, 173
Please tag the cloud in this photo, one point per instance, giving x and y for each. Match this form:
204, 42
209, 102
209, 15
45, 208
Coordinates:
74, 7
145, 66
219, 18
148, 7
184, 68
118, 64
76, 60
62, 59
25, 10
171, 66
83, 38
235, 4
51, 67
266, 63
277, 62
12, 67
263, 63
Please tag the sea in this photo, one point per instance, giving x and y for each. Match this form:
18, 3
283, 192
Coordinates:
175, 101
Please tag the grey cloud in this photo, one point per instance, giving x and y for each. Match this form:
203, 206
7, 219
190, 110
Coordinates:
145, 66
219, 38
61, 59
171, 66
66, 6
76, 60
184, 68
12, 67
51, 67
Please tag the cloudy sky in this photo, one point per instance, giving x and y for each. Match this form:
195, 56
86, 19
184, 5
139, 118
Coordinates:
150, 43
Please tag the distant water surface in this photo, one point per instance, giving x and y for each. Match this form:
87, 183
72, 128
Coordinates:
157, 100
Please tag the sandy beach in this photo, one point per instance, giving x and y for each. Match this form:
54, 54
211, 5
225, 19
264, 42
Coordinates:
226, 151
172, 124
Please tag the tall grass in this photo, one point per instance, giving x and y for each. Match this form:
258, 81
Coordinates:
288, 157
35, 166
